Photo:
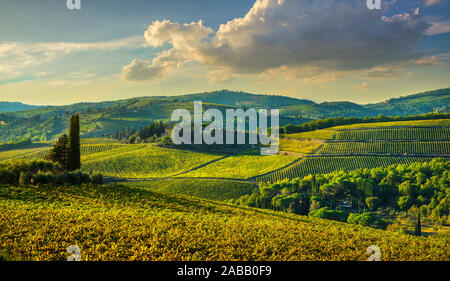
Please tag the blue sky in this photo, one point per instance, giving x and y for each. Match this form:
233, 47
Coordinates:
322, 50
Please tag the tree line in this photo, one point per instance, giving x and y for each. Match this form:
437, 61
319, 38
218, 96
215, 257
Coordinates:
338, 121
423, 187
149, 133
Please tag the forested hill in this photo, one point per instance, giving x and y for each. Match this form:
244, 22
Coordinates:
103, 118
438, 100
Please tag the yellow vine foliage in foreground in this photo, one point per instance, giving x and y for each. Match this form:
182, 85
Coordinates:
123, 223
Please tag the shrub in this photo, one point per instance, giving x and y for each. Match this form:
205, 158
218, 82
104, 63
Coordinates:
327, 213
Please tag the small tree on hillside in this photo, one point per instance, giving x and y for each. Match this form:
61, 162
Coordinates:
59, 151
74, 162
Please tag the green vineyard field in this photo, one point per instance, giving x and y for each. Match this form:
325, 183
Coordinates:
242, 166
85, 149
144, 161
410, 147
323, 165
417, 133
212, 189
119, 223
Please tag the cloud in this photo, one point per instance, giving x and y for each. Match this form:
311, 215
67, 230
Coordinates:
328, 34
185, 40
431, 2
438, 27
428, 61
18, 55
362, 87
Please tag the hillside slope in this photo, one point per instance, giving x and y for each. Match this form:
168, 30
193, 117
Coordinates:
121, 223
104, 118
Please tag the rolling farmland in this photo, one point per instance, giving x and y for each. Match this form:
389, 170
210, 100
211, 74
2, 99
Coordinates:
242, 166
212, 189
117, 222
145, 162
371, 145
36, 154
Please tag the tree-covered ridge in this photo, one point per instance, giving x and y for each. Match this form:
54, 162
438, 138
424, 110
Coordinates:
105, 118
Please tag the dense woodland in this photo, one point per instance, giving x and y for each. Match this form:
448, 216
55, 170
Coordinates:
424, 186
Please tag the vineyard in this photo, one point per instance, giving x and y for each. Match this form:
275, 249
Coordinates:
113, 223
301, 147
398, 147
416, 133
144, 161
212, 189
323, 165
242, 166
37, 154
17, 153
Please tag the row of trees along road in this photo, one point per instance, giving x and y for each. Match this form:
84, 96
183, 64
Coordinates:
66, 150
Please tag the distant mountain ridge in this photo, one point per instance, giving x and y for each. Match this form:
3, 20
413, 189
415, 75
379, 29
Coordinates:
15, 106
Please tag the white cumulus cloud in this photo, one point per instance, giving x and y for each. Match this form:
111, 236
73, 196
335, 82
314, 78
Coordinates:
293, 34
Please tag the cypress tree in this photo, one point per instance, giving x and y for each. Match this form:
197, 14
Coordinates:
74, 162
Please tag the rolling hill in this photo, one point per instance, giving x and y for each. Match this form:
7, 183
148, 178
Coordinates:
113, 223
104, 118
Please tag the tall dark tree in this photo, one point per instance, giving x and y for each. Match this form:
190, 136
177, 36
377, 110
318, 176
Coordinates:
418, 225
74, 162
60, 151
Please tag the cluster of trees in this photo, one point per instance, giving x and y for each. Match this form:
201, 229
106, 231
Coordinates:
34, 127
419, 186
148, 133
338, 121
66, 150
37, 172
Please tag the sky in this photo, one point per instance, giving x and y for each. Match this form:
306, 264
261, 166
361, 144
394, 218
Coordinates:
322, 50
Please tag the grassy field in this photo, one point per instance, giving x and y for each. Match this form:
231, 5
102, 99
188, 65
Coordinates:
122, 223
242, 166
220, 190
429, 147
300, 147
144, 161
